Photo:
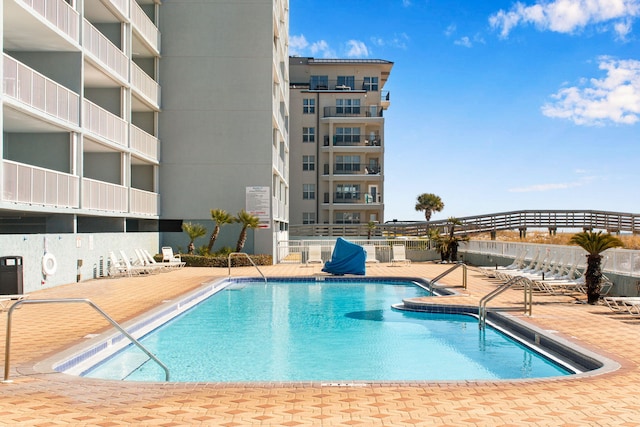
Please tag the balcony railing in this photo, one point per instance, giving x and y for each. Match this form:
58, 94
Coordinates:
144, 143
103, 196
37, 91
279, 209
144, 202
355, 197
37, 186
343, 85
145, 26
104, 124
59, 13
145, 85
353, 141
352, 169
122, 6
361, 111
105, 51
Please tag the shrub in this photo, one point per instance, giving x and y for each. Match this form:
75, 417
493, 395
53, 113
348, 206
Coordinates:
221, 261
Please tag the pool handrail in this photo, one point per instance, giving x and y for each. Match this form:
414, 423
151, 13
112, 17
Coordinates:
528, 298
7, 350
458, 265
250, 260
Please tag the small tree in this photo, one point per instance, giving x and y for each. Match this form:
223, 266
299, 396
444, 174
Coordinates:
193, 231
371, 227
594, 244
220, 217
248, 221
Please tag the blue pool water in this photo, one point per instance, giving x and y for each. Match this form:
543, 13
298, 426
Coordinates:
323, 331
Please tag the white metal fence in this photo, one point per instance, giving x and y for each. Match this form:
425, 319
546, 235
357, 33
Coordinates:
37, 186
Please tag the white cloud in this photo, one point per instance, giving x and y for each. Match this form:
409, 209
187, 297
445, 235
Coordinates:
463, 41
321, 48
568, 16
406, 3
398, 41
450, 30
297, 45
356, 48
552, 187
614, 98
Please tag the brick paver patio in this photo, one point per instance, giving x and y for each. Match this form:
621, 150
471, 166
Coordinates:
51, 399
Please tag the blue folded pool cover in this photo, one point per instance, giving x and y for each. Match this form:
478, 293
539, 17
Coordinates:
347, 258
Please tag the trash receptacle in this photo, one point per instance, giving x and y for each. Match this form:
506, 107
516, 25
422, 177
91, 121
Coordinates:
11, 275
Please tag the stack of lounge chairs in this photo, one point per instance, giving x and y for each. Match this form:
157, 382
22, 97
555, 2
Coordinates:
143, 263
546, 272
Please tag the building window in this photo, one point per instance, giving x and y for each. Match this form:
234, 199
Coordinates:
308, 217
319, 83
347, 136
347, 164
347, 218
308, 191
347, 106
308, 163
308, 134
309, 106
347, 193
370, 83
346, 83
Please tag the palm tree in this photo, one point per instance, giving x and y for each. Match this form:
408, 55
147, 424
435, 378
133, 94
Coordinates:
371, 227
221, 217
194, 231
429, 203
453, 240
594, 244
248, 221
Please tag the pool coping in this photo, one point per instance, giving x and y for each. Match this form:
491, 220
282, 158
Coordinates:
80, 357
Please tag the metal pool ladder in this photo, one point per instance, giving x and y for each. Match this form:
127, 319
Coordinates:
250, 260
7, 349
528, 298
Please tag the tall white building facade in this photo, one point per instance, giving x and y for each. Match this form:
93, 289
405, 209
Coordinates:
113, 135
337, 140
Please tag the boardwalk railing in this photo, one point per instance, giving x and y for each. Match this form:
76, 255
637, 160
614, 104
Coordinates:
517, 220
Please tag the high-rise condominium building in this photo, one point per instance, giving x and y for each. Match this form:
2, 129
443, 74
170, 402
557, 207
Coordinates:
112, 139
337, 140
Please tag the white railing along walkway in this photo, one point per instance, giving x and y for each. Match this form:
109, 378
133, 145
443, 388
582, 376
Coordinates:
145, 85
107, 53
144, 202
38, 186
144, 143
145, 26
59, 13
104, 123
103, 196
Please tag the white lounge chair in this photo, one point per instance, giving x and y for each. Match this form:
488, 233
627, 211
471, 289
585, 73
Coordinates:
116, 267
170, 259
399, 255
152, 262
371, 253
131, 268
315, 254
142, 260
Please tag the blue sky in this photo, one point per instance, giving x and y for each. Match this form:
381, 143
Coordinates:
496, 105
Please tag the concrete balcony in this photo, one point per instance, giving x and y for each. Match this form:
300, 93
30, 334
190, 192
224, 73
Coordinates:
144, 202
34, 92
144, 143
21, 19
145, 28
104, 196
103, 124
144, 86
33, 185
104, 52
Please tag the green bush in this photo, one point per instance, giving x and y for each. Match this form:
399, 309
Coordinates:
222, 261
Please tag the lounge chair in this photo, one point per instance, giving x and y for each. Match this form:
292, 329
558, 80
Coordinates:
132, 269
170, 259
399, 255
371, 253
142, 260
151, 260
315, 254
621, 304
116, 267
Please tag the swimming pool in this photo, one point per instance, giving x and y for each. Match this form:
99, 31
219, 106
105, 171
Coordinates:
331, 331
